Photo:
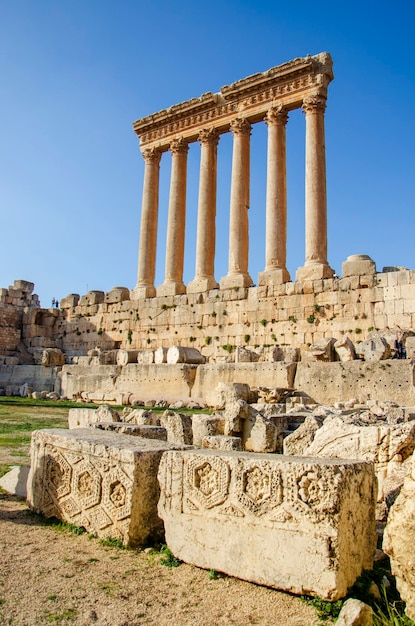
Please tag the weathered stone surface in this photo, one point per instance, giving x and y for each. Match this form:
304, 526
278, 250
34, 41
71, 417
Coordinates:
344, 349
178, 426
259, 434
52, 356
137, 430
143, 417
15, 480
126, 356
228, 392
243, 355
302, 525
102, 481
355, 613
160, 355
298, 441
374, 349
145, 357
387, 446
206, 426
117, 294
323, 350
222, 442
358, 265
105, 413
81, 418
399, 538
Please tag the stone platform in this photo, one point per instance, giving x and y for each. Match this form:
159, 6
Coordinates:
302, 525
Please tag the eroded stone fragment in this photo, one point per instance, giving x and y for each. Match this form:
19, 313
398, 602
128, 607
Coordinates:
303, 525
355, 613
103, 481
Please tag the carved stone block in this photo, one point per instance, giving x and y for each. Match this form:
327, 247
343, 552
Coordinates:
297, 524
103, 481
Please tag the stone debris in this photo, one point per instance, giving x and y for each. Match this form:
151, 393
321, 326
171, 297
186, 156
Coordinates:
224, 510
178, 427
344, 349
374, 349
15, 480
355, 613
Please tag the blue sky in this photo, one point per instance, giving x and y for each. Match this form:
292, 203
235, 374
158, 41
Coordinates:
75, 75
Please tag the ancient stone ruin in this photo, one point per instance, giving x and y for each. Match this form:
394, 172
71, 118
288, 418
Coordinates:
310, 383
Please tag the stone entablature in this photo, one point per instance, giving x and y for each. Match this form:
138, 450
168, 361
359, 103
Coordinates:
287, 85
264, 97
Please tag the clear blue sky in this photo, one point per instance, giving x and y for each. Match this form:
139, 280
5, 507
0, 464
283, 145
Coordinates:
75, 74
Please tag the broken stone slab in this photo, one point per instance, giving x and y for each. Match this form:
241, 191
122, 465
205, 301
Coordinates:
206, 426
297, 442
137, 430
374, 349
243, 355
52, 356
259, 434
14, 482
344, 349
105, 413
355, 613
143, 417
323, 350
226, 392
102, 481
399, 538
81, 418
306, 526
178, 427
222, 442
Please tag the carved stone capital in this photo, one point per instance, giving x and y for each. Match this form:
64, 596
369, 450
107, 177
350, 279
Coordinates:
151, 155
208, 136
312, 104
276, 115
240, 126
179, 146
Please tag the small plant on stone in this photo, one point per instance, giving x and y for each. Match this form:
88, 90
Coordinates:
213, 574
208, 341
263, 322
371, 328
228, 347
247, 338
311, 319
129, 336
292, 318
273, 337
325, 610
357, 331
192, 339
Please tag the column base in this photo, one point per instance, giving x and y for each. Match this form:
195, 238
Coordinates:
143, 291
172, 288
202, 284
236, 280
314, 271
273, 276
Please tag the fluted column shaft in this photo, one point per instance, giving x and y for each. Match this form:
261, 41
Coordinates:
206, 217
238, 226
316, 265
276, 200
173, 281
148, 229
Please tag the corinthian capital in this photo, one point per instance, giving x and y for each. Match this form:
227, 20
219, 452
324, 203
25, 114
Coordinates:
312, 104
179, 146
151, 155
240, 126
276, 115
208, 136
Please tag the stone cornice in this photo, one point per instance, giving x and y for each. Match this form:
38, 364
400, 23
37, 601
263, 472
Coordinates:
285, 85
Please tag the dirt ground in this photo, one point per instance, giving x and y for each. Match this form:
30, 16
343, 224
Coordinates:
50, 576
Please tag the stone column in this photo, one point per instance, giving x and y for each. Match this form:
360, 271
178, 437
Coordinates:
316, 266
173, 281
238, 227
148, 230
276, 205
206, 218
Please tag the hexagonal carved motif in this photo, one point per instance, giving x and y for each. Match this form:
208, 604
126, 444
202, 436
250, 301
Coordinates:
257, 485
207, 481
87, 484
118, 494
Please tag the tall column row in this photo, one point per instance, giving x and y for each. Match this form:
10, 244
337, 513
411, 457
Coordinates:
275, 272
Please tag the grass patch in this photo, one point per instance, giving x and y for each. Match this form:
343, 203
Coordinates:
68, 615
168, 559
112, 542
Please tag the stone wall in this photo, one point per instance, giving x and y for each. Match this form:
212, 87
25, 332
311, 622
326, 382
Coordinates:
13, 302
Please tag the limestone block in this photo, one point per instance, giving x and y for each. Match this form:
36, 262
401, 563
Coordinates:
306, 526
226, 392
143, 417
52, 356
178, 426
105, 413
181, 354
259, 434
126, 356
374, 349
14, 482
160, 355
410, 347
235, 412
243, 355
24, 285
206, 426
92, 298
344, 349
297, 442
137, 430
323, 350
103, 481
69, 301
387, 446
117, 294
81, 418
355, 613
399, 538
222, 442
358, 265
